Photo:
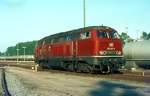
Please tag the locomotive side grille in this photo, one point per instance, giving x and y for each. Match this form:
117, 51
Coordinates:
110, 53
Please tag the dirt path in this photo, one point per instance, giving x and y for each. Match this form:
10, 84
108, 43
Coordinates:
24, 82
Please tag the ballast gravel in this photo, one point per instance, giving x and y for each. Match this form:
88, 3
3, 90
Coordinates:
25, 82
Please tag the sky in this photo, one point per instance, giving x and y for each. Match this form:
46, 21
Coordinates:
27, 20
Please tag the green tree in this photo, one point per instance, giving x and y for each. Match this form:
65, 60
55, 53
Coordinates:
1, 53
148, 36
29, 48
145, 36
125, 37
11, 51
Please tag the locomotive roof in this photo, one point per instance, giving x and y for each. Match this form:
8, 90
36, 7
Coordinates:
76, 31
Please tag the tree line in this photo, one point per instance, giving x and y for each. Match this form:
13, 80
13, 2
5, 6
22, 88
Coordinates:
28, 47
126, 38
23, 47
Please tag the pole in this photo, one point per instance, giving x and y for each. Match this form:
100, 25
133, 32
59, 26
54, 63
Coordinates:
24, 48
5, 56
84, 14
17, 55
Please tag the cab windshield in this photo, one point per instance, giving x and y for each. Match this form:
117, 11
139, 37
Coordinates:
104, 34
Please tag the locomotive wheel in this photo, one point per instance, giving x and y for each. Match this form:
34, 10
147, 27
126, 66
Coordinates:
70, 67
84, 68
106, 69
115, 71
79, 68
89, 69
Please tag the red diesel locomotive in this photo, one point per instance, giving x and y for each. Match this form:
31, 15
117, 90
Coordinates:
95, 48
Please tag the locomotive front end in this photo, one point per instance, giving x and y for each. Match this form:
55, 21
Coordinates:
109, 50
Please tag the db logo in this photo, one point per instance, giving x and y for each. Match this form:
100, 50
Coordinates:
111, 44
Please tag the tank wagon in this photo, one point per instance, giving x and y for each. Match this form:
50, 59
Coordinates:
94, 48
138, 54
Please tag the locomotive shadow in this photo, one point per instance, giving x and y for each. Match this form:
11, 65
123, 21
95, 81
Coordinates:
106, 88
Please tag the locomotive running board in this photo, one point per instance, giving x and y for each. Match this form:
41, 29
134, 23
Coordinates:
100, 56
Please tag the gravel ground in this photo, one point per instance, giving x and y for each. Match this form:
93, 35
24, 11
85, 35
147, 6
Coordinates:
1, 91
24, 82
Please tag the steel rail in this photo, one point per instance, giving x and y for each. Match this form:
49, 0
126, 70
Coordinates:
4, 84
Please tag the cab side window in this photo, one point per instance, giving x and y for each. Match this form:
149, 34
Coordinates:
85, 35
102, 34
68, 38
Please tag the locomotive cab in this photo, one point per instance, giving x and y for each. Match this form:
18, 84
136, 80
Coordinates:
109, 43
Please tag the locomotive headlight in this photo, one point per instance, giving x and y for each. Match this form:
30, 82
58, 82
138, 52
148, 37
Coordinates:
118, 52
102, 52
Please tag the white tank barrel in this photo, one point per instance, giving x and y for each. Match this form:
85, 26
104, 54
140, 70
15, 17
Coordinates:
138, 52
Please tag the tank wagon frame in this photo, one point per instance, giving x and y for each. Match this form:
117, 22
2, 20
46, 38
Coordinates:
81, 50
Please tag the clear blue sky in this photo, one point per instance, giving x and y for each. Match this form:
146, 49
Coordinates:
27, 20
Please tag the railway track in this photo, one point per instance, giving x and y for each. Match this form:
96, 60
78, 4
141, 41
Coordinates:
125, 75
4, 83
